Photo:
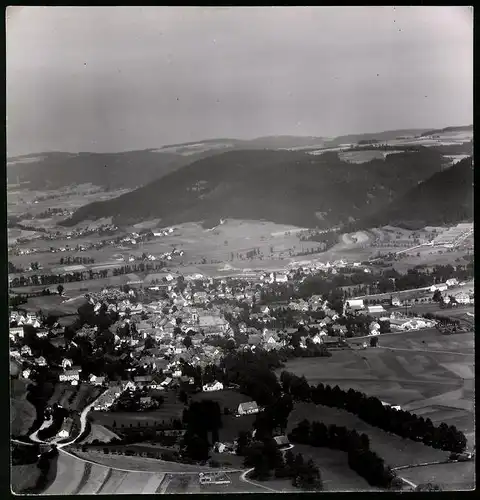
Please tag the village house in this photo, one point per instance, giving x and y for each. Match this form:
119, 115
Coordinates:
214, 386
451, 282
26, 373
95, 380
41, 361
142, 380
26, 351
70, 376
15, 332
66, 363
66, 428
376, 310
462, 298
247, 408
281, 441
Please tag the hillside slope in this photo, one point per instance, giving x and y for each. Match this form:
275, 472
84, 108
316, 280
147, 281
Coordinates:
280, 186
444, 198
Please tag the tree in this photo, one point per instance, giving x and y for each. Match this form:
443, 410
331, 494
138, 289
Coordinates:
374, 342
437, 296
187, 342
183, 397
60, 289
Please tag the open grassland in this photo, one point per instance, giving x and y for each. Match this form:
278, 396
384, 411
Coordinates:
395, 450
55, 304
333, 465
135, 463
450, 477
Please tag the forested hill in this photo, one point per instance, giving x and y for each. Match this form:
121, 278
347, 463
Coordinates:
444, 198
280, 186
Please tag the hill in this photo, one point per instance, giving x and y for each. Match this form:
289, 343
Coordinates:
110, 170
448, 130
288, 187
444, 198
388, 135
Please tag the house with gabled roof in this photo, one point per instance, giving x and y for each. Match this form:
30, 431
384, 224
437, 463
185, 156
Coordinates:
247, 408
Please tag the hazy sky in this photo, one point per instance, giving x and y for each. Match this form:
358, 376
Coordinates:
110, 79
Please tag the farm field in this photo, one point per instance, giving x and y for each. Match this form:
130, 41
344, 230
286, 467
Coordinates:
452, 476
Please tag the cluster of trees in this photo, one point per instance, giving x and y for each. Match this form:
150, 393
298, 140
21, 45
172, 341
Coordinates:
130, 402
201, 419
12, 268
361, 458
266, 458
58, 416
76, 260
372, 411
328, 239
252, 372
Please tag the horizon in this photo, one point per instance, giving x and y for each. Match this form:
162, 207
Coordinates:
212, 139
130, 79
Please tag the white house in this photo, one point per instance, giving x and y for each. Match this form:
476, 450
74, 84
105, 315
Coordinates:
462, 298
451, 282
215, 386
41, 361
26, 373
374, 328
248, 408
396, 301
375, 309
16, 331
67, 363
355, 304
26, 351
69, 376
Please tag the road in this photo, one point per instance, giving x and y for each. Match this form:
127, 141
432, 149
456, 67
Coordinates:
83, 423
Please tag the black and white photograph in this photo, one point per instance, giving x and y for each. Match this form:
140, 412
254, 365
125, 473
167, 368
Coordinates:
240, 249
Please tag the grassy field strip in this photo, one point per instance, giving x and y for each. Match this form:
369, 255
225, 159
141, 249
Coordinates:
97, 478
461, 370
426, 350
153, 483
133, 483
85, 478
69, 476
113, 482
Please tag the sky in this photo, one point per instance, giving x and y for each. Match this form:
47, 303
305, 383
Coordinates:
109, 79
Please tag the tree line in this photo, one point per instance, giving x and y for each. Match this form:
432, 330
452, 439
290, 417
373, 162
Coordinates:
361, 458
374, 412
